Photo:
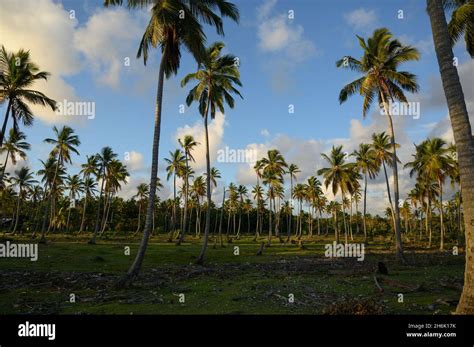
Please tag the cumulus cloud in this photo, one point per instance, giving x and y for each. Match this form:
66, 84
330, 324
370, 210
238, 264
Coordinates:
216, 133
283, 39
361, 19
50, 41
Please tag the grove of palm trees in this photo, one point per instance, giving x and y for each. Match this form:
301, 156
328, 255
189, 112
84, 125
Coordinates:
343, 204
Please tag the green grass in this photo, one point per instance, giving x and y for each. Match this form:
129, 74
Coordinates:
244, 283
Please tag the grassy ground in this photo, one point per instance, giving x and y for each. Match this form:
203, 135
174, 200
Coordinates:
228, 283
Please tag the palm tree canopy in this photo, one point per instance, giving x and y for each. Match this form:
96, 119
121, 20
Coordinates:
382, 55
216, 78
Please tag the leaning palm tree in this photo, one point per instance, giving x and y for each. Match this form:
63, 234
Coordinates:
463, 138
18, 74
217, 78
365, 161
14, 147
173, 24
382, 56
23, 179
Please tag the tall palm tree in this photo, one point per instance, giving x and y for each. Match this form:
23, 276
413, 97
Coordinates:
461, 22
257, 192
293, 169
23, 179
90, 188
383, 156
75, 186
338, 175
65, 143
217, 78
382, 56
433, 160
242, 191
258, 167
366, 163
187, 143
175, 168
14, 147
173, 23
104, 158
142, 194
18, 74
88, 169
463, 139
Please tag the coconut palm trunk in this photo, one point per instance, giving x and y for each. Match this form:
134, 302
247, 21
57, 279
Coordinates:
5, 121
83, 214
365, 209
97, 217
463, 138
200, 259
17, 214
396, 192
441, 215
135, 268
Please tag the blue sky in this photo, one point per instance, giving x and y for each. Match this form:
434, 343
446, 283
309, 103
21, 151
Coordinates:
283, 62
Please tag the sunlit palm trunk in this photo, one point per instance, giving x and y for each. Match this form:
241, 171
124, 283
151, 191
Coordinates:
135, 268
200, 259
344, 218
97, 217
17, 214
463, 139
396, 193
5, 121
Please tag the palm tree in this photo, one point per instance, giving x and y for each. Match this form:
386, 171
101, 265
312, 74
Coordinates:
293, 169
75, 186
367, 165
90, 188
23, 179
382, 56
187, 143
257, 192
242, 191
18, 74
90, 168
173, 23
65, 144
313, 193
433, 160
383, 156
175, 168
116, 174
299, 194
463, 139
258, 167
14, 147
104, 158
338, 175
142, 194
461, 22
334, 208
216, 79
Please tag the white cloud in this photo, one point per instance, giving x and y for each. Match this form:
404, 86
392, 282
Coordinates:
265, 132
50, 41
216, 133
134, 161
361, 18
108, 42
